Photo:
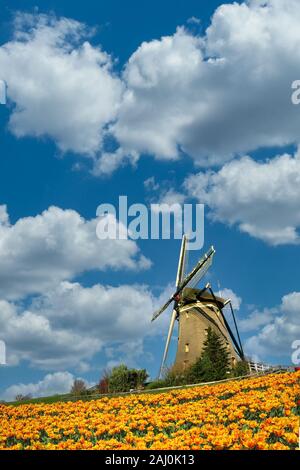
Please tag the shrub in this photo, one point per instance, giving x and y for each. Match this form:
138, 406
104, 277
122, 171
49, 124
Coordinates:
171, 378
104, 382
122, 379
21, 397
155, 384
138, 378
240, 369
78, 387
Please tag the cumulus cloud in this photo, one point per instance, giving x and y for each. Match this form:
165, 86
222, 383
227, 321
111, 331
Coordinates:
61, 86
210, 95
109, 162
38, 252
67, 325
205, 95
261, 198
51, 384
257, 319
157, 77
226, 293
150, 184
30, 336
128, 353
281, 329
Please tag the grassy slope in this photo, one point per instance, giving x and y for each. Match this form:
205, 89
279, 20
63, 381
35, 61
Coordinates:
70, 397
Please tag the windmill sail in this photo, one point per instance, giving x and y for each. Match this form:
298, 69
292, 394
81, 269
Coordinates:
200, 274
200, 269
183, 258
238, 346
200, 266
163, 308
180, 274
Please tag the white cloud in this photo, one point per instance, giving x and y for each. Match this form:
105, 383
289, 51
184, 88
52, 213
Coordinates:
209, 96
158, 76
61, 85
261, 198
217, 95
281, 328
38, 252
150, 184
128, 353
52, 384
194, 20
68, 325
226, 293
30, 336
257, 319
171, 197
111, 161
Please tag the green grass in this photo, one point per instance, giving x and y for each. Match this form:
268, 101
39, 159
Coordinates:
52, 399
70, 397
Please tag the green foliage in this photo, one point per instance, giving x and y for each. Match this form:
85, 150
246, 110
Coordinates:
155, 384
21, 397
78, 387
140, 376
122, 379
170, 379
240, 369
213, 363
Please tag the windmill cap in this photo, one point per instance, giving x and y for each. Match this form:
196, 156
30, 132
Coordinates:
193, 295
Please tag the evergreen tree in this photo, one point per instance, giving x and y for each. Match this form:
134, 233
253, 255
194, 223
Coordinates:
214, 362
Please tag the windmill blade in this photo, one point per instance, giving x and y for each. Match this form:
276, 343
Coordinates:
200, 266
182, 261
171, 327
179, 277
200, 274
185, 263
236, 327
237, 347
164, 307
233, 339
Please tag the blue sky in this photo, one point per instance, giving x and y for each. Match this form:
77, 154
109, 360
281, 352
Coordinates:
211, 121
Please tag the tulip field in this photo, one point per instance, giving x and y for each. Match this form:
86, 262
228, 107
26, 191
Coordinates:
253, 413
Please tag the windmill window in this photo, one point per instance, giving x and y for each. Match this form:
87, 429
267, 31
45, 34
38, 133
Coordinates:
187, 347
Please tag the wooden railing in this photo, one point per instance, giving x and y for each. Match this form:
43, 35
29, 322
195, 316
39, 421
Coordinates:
256, 367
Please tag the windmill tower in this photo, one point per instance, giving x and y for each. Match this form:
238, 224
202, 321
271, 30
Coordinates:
196, 310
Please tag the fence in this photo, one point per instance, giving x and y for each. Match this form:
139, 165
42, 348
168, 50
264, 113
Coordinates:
261, 367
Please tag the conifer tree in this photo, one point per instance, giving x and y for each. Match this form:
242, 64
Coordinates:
214, 361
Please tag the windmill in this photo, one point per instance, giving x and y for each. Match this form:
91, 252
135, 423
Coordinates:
196, 310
